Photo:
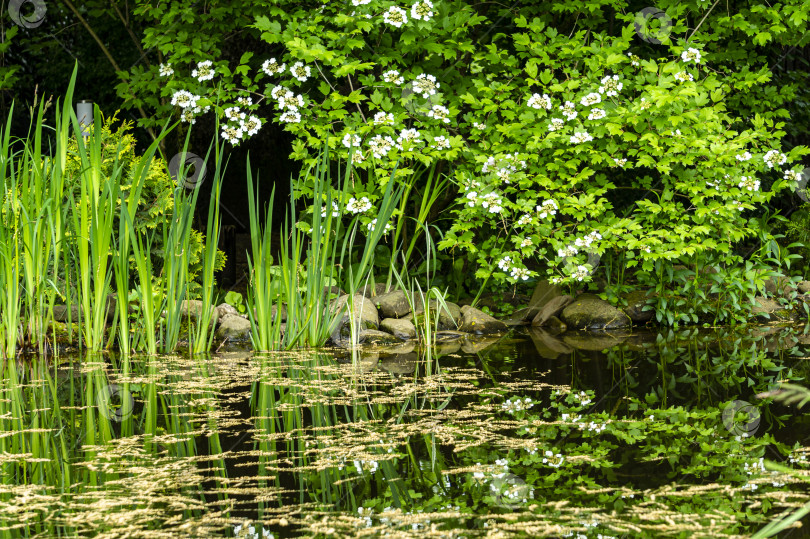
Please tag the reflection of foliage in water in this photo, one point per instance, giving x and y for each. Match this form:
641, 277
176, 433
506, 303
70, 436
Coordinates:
300, 444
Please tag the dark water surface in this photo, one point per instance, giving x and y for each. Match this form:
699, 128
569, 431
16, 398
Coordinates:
531, 434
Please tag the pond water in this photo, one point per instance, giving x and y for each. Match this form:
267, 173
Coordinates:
660, 435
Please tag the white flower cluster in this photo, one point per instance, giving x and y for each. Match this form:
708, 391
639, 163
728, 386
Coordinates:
597, 114
409, 136
691, 55
350, 140
395, 16
438, 112
491, 202
479, 126
555, 461
300, 71
580, 273
422, 11
393, 76
371, 465
591, 99
801, 459
611, 86
517, 405
596, 427
288, 102
556, 123
524, 220
773, 158
683, 76
745, 156
185, 99
365, 514
582, 397
749, 182
792, 175
503, 167
335, 210
383, 118
441, 142
204, 71
380, 145
537, 101
357, 3
588, 240
580, 136
358, 206
425, 85
272, 67
166, 70
547, 208
516, 272
188, 102
244, 101
634, 60
621, 162
568, 110
644, 104
248, 531
373, 224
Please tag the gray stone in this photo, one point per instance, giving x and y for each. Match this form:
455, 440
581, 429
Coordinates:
551, 309
764, 308
365, 317
399, 328
448, 335
589, 312
556, 325
804, 287
636, 303
193, 309
478, 322
779, 286
61, 313
449, 317
227, 308
377, 290
373, 336
393, 304
233, 328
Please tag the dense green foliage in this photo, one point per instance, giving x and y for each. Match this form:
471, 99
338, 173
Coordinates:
670, 145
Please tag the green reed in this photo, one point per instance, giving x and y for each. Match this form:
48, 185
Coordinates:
202, 334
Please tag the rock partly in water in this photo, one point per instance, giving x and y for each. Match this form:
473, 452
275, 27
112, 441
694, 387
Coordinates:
480, 323
374, 336
449, 314
233, 328
365, 317
393, 304
590, 312
399, 328
551, 309
768, 309
636, 304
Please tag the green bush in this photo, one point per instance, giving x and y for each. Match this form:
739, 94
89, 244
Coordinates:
565, 129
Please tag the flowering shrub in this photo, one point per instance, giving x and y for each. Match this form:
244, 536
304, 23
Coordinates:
560, 144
